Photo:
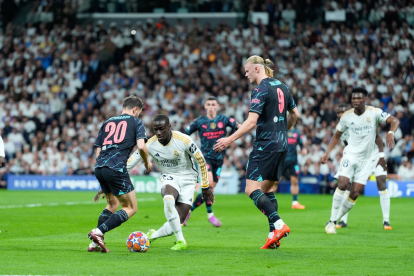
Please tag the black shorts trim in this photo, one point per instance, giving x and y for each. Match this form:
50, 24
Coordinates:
113, 182
214, 166
265, 165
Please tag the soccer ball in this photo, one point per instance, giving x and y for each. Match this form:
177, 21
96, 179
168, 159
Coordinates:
138, 242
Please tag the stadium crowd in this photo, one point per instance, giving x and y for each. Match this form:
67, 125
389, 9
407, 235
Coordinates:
60, 81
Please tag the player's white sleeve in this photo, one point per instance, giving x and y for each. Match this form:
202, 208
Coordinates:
381, 115
2, 148
196, 153
133, 160
341, 126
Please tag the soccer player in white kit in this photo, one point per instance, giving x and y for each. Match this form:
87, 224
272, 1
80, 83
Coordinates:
379, 171
175, 154
356, 165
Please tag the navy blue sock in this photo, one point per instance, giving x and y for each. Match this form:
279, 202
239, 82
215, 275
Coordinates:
114, 221
104, 216
209, 208
265, 206
295, 197
197, 202
271, 196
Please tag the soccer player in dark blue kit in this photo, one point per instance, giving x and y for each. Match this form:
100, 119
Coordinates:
211, 127
271, 102
116, 139
290, 168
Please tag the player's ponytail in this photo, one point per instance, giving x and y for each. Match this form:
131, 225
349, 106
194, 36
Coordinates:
266, 63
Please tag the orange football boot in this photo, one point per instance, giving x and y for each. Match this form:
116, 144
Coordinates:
387, 226
277, 235
298, 206
271, 246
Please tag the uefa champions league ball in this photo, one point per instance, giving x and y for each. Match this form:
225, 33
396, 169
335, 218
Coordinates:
138, 242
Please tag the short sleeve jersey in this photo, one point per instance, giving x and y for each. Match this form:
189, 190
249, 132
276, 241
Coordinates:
362, 131
210, 131
117, 137
271, 99
294, 139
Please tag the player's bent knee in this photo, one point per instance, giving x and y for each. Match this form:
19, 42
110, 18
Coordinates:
169, 200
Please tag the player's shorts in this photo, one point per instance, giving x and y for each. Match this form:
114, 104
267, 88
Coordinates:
290, 168
113, 182
356, 170
265, 165
185, 186
377, 170
214, 166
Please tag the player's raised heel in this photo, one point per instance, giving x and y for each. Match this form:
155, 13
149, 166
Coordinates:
387, 225
214, 221
186, 218
98, 239
330, 228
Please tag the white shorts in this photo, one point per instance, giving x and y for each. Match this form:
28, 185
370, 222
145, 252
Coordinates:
357, 171
377, 170
185, 186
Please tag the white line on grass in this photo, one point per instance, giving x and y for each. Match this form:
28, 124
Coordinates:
63, 203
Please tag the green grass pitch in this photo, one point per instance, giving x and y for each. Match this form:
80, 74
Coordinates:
51, 239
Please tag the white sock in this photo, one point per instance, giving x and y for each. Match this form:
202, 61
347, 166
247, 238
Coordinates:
279, 224
338, 198
209, 215
164, 231
97, 231
346, 206
345, 217
295, 202
172, 217
385, 204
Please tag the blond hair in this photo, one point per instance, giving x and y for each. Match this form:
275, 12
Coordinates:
267, 63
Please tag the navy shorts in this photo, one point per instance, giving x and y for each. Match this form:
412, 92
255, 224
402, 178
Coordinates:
113, 182
290, 168
214, 166
265, 165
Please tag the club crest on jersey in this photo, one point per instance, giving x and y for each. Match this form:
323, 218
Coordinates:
176, 154
213, 125
220, 125
368, 120
275, 119
231, 120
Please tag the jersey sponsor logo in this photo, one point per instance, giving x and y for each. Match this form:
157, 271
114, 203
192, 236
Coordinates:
255, 101
193, 148
213, 125
368, 120
204, 126
169, 163
232, 120
292, 141
176, 154
213, 134
220, 125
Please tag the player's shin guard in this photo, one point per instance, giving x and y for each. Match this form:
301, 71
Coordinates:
271, 196
338, 198
114, 221
197, 202
104, 216
164, 231
263, 203
172, 216
385, 204
346, 207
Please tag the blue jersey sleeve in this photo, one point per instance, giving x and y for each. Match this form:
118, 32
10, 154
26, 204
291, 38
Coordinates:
140, 130
191, 128
231, 122
98, 141
291, 102
259, 96
300, 142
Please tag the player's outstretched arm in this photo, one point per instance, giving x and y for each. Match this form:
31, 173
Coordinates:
293, 117
143, 151
335, 139
380, 144
395, 123
247, 125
